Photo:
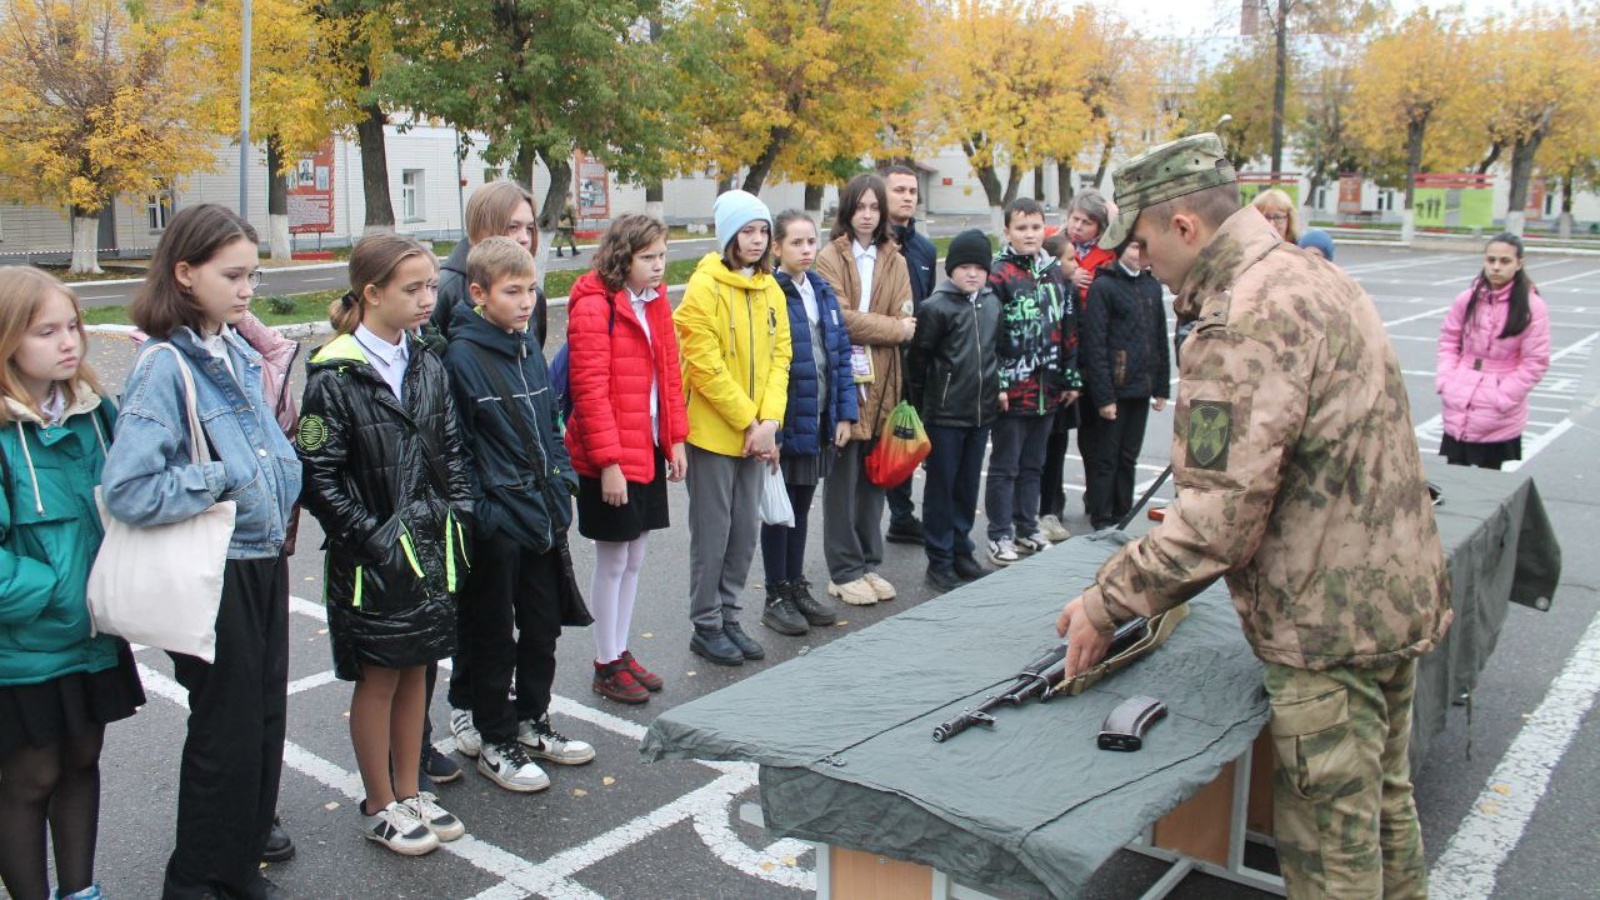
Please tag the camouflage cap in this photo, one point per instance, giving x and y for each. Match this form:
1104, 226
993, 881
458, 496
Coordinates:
1174, 169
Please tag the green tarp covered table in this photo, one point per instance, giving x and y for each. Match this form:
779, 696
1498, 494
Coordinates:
843, 734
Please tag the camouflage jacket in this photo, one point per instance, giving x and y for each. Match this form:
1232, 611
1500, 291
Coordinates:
1297, 471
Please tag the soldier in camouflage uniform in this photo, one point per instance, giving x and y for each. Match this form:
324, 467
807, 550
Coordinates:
1299, 481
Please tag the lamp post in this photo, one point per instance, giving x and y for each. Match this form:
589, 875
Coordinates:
244, 115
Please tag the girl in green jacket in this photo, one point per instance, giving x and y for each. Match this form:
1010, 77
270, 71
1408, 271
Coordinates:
59, 684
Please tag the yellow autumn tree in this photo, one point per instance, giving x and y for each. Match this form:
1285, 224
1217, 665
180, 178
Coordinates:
1406, 78
801, 89
1010, 93
98, 98
302, 90
1534, 76
1121, 87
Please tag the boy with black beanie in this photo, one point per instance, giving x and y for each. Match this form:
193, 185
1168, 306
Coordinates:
953, 380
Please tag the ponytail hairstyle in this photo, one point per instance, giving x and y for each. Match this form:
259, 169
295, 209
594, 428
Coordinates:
372, 264
626, 236
1518, 316
23, 289
780, 225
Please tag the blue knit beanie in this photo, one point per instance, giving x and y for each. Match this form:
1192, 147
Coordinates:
733, 211
1316, 237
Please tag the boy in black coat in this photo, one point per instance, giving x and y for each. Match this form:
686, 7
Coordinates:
953, 379
522, 483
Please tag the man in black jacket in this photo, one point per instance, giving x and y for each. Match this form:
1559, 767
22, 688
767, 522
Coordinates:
1122, 351
953, 379
921, 261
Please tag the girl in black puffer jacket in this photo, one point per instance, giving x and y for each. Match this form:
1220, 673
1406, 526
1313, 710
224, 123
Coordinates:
386, 477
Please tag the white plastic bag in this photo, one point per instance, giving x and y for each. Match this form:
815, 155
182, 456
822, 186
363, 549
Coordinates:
775, 506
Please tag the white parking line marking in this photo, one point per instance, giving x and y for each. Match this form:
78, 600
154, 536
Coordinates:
1494, 827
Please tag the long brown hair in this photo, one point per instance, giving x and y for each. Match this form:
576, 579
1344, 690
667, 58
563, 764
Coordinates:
856, 189
194, 236
372, 263
23, 289
627, 235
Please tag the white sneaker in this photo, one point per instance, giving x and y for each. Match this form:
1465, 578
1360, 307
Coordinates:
397, 827
509, 766
855, 593
468, 740
881, 588
444, 826
1034, 543
1053, 529
544, 742
1003, 552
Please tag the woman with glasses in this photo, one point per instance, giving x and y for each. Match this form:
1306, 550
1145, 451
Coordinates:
1277, 207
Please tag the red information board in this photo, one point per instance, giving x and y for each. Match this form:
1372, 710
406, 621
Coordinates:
593, 187
311, 192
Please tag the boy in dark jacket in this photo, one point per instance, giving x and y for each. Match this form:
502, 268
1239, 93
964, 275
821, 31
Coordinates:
1124, 356
522, 484
1037, 349
953, 379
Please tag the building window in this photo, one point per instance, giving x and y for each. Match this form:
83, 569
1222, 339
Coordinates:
1386, 201
411, 207
158, 210
1322, 198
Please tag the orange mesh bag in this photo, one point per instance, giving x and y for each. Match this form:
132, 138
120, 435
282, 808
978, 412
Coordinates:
903, 447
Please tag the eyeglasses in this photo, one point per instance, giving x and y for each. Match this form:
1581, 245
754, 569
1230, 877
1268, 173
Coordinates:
1276, 217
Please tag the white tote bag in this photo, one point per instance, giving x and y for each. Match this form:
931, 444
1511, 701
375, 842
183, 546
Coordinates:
161, 585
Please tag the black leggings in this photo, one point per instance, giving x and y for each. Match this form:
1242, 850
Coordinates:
783, 548
58, 786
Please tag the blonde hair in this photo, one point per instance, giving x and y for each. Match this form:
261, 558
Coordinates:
23, 289
491, 208
372, 263
495, 258
1278, 200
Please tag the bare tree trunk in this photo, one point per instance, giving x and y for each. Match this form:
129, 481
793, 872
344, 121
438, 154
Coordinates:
813, 203
1038, 182
1415, 131
1523, 152
278, 239
1105, 161
374, 167
1013, 183
1491, 157
757, 175
1280, 82
85, 243
555, 196
1064, 182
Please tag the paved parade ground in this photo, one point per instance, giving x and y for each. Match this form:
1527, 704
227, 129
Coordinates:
1507, 819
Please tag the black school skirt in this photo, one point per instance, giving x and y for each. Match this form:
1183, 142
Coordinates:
42, 715
646, 509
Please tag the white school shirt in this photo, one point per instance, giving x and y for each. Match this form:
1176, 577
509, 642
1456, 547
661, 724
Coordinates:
808, 298
639, 301
866, 261
389, 359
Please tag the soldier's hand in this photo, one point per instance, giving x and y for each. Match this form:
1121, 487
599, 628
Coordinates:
1085, 644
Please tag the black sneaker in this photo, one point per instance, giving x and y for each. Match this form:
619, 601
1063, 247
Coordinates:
968, 568
944, 579
816, 611
279, 846
747, 645
907, 531
713, 644
439, 768
782, 617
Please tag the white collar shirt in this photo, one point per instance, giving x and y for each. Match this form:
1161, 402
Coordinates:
388, 359
640, 305
866, 262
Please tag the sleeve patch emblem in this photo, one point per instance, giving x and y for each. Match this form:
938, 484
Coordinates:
1210, 431
312, 433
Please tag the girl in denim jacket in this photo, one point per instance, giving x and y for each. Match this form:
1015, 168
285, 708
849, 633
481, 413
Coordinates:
200, 283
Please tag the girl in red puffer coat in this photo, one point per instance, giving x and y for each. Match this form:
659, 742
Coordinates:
626, 433
1494, 348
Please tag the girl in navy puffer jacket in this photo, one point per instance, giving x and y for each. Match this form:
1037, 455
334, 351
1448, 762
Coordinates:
822, 407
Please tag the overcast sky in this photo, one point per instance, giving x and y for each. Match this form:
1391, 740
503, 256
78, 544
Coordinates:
1196, 18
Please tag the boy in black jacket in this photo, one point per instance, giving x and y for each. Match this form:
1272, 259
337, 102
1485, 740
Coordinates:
953, 380
1123, 352
522, 489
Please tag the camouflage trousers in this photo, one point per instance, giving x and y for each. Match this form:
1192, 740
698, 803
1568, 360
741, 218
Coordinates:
1346, 821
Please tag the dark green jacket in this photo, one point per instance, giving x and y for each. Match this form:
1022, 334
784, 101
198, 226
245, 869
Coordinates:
49, 534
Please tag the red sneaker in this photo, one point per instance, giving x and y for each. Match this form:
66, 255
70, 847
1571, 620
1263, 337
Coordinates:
651, 681
613, 680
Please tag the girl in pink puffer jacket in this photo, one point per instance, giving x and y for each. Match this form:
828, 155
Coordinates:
1494, 348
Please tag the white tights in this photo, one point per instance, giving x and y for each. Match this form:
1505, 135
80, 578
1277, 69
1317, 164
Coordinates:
612, 590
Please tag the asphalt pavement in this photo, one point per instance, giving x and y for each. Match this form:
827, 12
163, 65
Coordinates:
1505, 800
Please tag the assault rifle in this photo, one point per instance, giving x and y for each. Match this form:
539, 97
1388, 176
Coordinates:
1042, 679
